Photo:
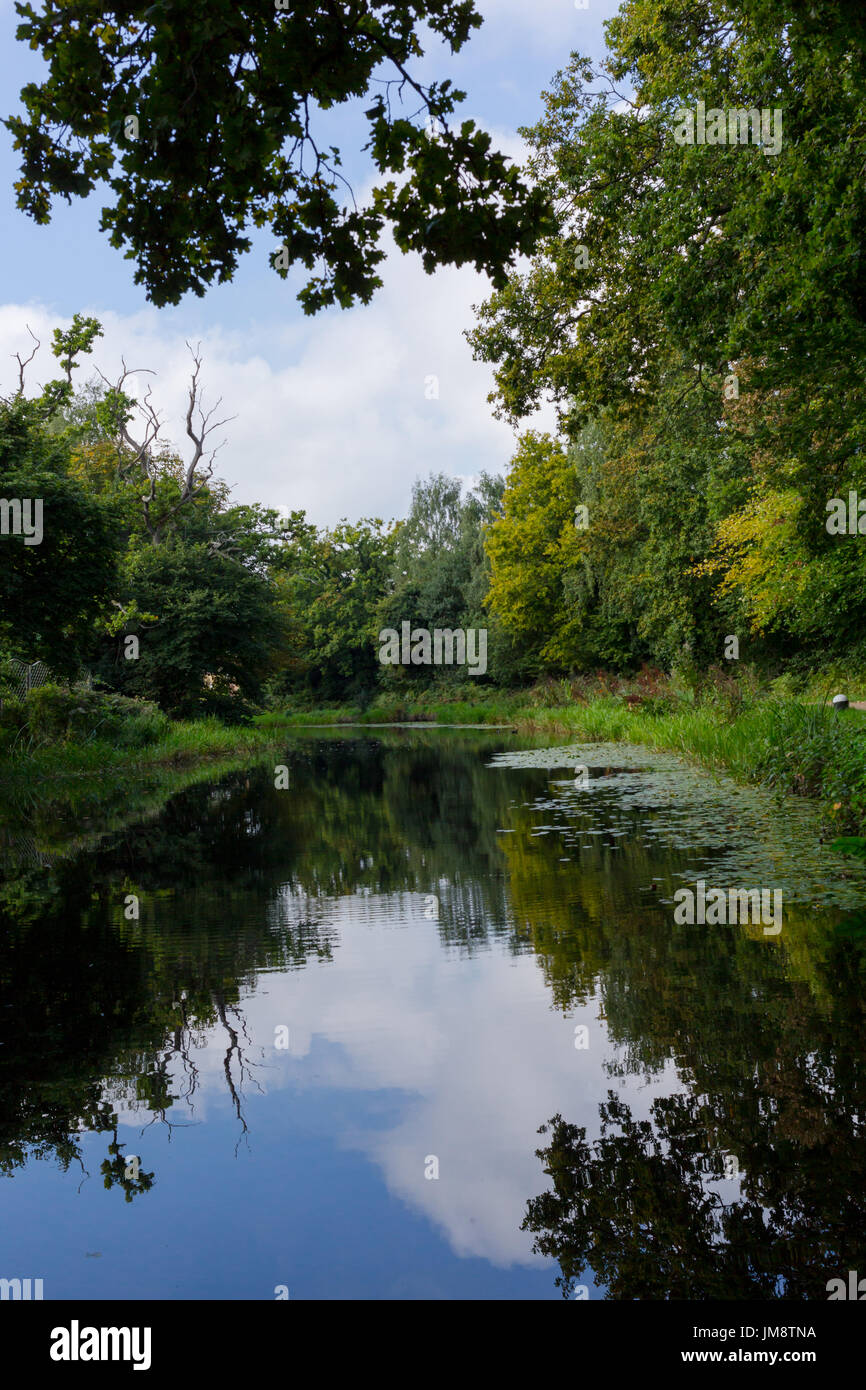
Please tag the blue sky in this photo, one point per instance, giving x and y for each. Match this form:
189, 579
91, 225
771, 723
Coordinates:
332, 413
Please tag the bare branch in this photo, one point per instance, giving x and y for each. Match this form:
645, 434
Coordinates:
27, 360
140, 451
138, 454
199, 435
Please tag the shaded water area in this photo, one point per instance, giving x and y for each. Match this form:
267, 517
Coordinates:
421, 1024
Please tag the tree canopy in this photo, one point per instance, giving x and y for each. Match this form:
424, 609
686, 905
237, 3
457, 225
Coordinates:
695, 311
703, 305
206, 118
51, 591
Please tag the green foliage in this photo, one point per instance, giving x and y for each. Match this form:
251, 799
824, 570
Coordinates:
694, 311
66, 345
53, 713
715, 252
701, 304
176, 568
545, 577
815, 750
850, 844
211, 645
50, 592
329, 584
167, 104
440, 575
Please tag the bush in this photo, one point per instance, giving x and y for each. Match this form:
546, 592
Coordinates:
55, 713
13, 718
217, 704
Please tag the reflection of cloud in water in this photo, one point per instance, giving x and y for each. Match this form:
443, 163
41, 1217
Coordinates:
471, 1046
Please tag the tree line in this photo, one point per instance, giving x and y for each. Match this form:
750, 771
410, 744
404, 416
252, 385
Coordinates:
695, 310
698, 319
150, 579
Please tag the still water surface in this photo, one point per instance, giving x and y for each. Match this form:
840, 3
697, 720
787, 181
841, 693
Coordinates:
347, 1008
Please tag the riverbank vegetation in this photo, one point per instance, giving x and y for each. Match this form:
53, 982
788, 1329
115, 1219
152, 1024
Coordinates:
757, 733
693, 311
75, 761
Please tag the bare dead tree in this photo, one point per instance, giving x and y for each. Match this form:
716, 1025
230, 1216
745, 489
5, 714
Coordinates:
198, 474
137, 454
27, 360
140, 456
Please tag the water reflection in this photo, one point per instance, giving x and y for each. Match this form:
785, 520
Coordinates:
287, 999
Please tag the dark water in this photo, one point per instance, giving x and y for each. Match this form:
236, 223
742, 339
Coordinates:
319, 1060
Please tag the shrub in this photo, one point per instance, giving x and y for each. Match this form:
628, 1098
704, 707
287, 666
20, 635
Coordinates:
54, 713
13, 719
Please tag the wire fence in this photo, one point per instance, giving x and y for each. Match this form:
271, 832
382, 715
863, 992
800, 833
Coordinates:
23, 850
29, 675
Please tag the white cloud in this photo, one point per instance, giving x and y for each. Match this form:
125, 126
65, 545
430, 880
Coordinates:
332, 412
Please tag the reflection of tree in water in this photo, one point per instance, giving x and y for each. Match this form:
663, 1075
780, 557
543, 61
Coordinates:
191, 1033
79, 1006
245, 1067
638, 1208
237, 878
229, 878
769, 1044
115, 1170
87, 995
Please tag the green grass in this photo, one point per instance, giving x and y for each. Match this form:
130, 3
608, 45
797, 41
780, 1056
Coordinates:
394, 712
788, 745
182, 742
65, 795
799, 746
701, 734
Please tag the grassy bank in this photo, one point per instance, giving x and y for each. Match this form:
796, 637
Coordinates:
96, 785
180, 742
495, 710
63, 797
794, 745
805, 749
57, 732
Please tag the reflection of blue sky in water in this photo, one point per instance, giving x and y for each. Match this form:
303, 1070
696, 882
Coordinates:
399, 1048
409, 1036
463, 1058
472, 1044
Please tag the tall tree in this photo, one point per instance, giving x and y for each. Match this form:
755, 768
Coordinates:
441, 573
330, 583
56, 581
739, 245
707, 296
